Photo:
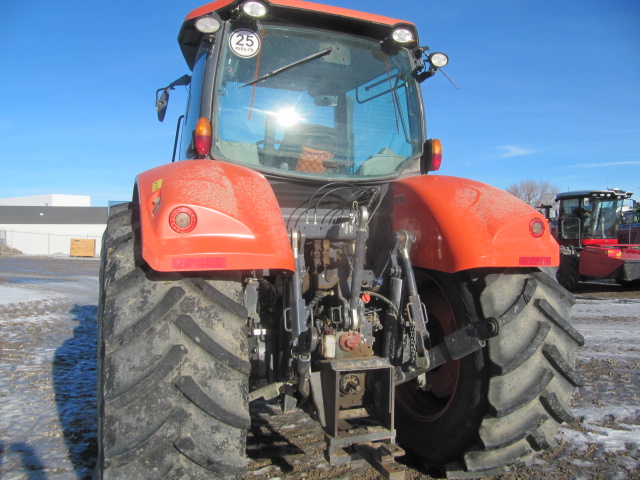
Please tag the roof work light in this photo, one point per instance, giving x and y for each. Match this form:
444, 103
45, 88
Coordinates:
438, 59
254, 9
207, 24
402, 35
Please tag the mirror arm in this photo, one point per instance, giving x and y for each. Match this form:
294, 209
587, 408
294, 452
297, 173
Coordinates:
182, 81
421, 76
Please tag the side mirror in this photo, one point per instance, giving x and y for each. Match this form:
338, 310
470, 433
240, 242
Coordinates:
161, 103
162, 100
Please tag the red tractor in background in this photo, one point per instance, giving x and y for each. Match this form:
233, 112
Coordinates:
629, 230
589, 237
300, 250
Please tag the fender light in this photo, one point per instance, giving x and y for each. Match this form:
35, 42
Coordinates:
183, 220
536, 228
202, 137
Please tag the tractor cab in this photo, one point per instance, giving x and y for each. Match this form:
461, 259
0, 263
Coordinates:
589, 217
589, 237
306, 93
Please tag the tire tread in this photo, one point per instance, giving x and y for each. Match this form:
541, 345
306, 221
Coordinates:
527, 415
144, 353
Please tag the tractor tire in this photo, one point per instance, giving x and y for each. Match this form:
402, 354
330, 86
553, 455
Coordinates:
568, 274
500, 405
173, 367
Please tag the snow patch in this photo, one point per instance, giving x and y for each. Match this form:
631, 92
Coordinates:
612, 308
10, 294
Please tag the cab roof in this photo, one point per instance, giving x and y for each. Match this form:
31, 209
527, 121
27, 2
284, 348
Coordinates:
593, 194
293, 12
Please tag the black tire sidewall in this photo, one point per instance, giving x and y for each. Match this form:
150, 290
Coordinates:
568, 274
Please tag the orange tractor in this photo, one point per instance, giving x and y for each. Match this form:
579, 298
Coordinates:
299, 249
589, 234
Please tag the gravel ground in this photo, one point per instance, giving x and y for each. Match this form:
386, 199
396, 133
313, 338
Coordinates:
48, 338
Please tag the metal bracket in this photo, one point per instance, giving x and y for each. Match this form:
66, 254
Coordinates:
268, 392
298, 310
318, 399
415, 309
458, 344
250, 299
369, 446
382, 458
359, 428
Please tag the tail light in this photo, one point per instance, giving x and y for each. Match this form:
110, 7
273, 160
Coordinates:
202, 137
182, 220
536, 228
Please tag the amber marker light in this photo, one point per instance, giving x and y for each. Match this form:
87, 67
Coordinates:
436, 155
202, 136
183, 220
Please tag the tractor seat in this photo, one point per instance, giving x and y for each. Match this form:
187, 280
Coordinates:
306, 147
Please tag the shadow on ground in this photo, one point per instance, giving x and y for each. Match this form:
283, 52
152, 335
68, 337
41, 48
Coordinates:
28, 457
75, 384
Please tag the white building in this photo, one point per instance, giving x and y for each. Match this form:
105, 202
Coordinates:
46, 224
49, 200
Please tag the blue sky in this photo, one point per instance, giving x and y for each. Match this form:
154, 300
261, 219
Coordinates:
548, 90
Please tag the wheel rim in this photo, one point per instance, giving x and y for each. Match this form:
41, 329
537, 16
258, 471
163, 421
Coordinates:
431, 405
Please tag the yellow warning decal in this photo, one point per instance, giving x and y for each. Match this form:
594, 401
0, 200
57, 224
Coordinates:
156, 185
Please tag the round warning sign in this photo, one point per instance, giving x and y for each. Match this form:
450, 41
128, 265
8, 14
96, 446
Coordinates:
244, 43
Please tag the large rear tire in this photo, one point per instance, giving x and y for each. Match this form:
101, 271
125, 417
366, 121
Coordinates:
173, 380
500, 405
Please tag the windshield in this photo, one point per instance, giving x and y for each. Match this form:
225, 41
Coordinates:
313, 103
588, 218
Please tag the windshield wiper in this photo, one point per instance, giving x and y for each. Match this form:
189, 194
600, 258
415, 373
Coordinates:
287, 67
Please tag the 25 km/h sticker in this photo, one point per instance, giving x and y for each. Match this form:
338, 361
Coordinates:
244, 43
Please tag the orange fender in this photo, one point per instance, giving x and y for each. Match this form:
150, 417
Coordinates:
461, 224
238, 223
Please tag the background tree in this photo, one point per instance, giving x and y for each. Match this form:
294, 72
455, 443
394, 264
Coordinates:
534, 192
